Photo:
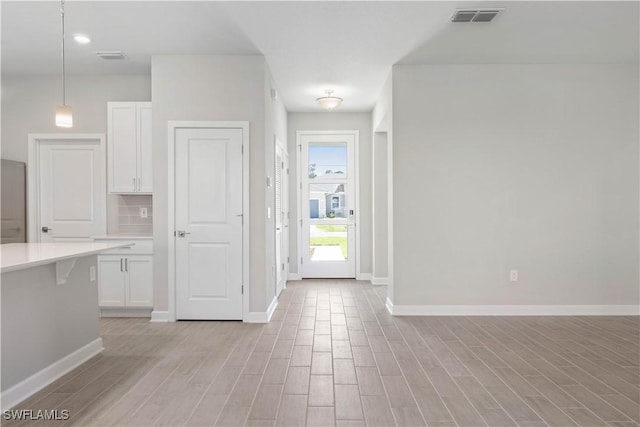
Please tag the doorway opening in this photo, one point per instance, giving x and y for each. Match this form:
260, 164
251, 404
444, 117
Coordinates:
327, 194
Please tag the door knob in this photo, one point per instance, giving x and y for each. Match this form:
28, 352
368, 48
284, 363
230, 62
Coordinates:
181, 233
46, 229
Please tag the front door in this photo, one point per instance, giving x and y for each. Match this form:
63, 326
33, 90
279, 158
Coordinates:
327, 178
208, 223
71, 190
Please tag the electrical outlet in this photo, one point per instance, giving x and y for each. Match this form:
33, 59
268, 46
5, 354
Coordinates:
92, 273
513, 275
143, 212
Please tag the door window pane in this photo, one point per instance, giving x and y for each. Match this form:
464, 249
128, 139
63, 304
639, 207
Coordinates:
328, 242
327, 201
327, 161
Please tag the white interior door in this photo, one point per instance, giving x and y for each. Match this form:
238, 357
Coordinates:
208, 220
71, 190
281, 218
328, 226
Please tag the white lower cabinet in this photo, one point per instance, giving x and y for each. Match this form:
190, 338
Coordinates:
126, 280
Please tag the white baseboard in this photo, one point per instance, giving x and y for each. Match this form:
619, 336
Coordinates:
513, 310
294, 276
389, 305
272, 308
159, 316
363, 276
379, 281
46, 376
125, 312
262, 316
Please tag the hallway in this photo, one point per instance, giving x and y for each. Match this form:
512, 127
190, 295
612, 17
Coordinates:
332, 355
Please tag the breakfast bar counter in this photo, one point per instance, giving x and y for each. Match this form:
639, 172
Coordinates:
49, 312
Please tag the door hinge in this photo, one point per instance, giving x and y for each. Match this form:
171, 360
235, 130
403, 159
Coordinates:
283, 267
300, 147
287, 171
242, 148
287, 260
301, 186
301, 260
242, 289
282, 165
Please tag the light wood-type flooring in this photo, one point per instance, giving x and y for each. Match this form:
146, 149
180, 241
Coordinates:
332, 355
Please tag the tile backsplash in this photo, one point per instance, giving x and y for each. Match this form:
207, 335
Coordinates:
129, 220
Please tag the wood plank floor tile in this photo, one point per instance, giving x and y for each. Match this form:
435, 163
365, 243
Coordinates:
398, 391
348, 405
321, 417
292, 411
321, 390
301, 355
344, 371
297, 381
377, 411
265, 405
332, 355
369, 381
321, 364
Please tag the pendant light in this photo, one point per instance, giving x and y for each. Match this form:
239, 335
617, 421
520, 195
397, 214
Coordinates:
64, 115
329, 102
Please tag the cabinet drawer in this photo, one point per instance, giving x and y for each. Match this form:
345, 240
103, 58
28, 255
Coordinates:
138, 247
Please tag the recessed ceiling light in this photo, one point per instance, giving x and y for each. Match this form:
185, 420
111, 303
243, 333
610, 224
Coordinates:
81, 38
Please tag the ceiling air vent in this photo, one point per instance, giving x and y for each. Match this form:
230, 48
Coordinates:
476, 15
110, 54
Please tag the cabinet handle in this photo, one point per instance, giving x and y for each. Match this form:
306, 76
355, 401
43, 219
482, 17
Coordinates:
126, 264
139, 184
121, 264
134, 184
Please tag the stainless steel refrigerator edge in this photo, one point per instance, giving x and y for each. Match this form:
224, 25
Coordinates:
13, 204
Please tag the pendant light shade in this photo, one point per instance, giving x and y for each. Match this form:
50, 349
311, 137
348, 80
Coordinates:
64, 114
329, 102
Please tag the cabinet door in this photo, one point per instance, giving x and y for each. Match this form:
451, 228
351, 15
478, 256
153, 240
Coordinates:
111, 281
145, 174
139, 289
122, 151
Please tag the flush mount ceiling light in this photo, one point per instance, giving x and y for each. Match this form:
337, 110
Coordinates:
64, 115
81, 39
329, 102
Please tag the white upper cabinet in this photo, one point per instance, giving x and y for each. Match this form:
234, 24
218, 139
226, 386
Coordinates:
129, 147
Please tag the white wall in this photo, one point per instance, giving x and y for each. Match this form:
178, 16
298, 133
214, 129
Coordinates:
217, 88
335, 121
530, 167
382, 177
275, 126
28, 106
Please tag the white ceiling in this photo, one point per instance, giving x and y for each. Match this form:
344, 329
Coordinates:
310, 46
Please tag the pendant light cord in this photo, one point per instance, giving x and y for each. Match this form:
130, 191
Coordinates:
64, 100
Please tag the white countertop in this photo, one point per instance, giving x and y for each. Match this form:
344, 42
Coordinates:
20, 256
123, 237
